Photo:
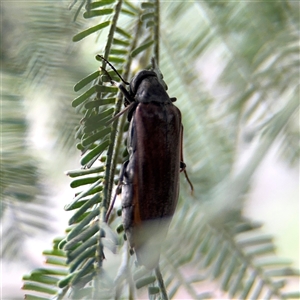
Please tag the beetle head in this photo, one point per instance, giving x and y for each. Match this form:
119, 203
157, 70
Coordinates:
146, 87
144, 74
138, 78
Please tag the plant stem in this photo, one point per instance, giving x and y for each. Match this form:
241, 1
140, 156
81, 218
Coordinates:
161, 284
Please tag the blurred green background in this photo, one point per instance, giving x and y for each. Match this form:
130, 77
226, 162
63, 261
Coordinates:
240, 61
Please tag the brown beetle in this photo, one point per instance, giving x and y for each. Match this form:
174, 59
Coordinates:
150, 178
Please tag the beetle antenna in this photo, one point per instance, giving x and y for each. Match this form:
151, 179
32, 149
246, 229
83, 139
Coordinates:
188, 180
101, 57
109, 77
120, 113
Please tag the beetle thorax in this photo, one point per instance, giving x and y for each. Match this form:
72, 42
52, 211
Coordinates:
151, 90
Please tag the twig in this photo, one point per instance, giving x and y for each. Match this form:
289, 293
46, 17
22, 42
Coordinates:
161, 284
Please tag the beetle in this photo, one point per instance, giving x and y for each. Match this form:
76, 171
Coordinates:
149, 179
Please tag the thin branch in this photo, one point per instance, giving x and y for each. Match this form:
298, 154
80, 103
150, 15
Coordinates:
106, 194
161, 284
156, 31
112, 30
118, 126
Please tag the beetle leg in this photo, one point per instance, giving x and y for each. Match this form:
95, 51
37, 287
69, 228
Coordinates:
183, 165
188, 180
182, 169
126, 94
118, 190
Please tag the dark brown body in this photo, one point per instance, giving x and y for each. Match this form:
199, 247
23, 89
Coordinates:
156, 165
151, 176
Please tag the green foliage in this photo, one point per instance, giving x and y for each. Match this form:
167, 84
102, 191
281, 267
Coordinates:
22, 204
210, 238
235, 254
33, 55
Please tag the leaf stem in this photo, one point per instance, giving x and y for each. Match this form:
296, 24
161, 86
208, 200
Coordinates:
161, 284
156, 32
